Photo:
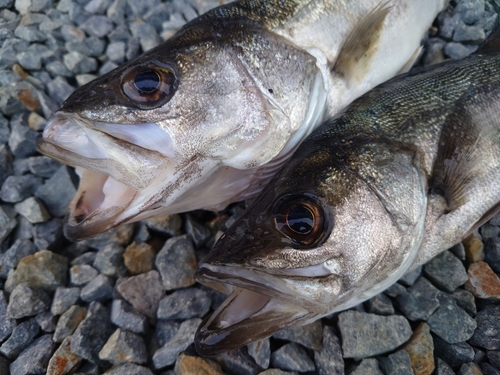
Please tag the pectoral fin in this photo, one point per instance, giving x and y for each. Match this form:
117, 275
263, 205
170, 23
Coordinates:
355, 56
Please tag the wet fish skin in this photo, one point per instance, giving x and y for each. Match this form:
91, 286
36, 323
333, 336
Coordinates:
242, 85
405, 172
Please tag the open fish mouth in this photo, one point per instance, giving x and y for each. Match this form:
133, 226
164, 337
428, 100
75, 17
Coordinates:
114, 179
255, 308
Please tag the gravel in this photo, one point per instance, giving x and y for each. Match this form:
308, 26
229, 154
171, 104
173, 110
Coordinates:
125, 302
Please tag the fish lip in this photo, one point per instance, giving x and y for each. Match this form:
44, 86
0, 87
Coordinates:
271, 312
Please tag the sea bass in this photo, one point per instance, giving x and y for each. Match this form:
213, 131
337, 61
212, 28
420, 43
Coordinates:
405, 172
206, 118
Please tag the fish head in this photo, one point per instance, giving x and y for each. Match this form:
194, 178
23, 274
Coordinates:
148, 137
332, 230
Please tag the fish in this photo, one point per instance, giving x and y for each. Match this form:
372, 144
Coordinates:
405, 172
208, 117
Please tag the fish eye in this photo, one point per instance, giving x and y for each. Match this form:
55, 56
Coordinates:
149, 87
301, 219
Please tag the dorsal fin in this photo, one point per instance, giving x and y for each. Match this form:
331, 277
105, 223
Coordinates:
354, 57
491, 45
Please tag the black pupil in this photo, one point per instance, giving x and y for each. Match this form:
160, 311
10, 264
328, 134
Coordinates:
300, 219
147, 80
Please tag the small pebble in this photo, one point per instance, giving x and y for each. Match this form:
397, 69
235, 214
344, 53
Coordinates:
139, 258
367, 367
260, 351
488, 369
451, 323
188, 365
292, 357
27, 301
68, 322
47, 321
125, 316
167, 354
7, 323
442, 368
7, 224
483, 282
446, 271
11, 258
184, 304
144, 292
329, 359
176, 263
17, 188
419, 301
487, 334
33, 210
99, 289
453, 354
123, 347
129, 369
473, 248
492, 253
465, 300
469, 369
237, 361
420, 348
23, 335
308, 335
167, 225
494, 357
365, 335
92, 333
63, 299
398, 363
56, 193
35, 358
82, 274
64, 361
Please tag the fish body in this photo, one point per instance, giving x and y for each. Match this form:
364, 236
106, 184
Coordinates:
405, 172
206, 118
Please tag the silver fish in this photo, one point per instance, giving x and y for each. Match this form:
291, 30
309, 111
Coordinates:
405, 172
210, 115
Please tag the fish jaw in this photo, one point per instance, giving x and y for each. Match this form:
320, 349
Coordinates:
251, 312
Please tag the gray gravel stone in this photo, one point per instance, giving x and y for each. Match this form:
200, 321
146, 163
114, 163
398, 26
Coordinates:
442, 368
466, 33
121, 236
79, 63
409, 278
23, 335
98, 26
63, 299
35, 358
7, 224
129, 369
47, 235
199, 233
167, 225
176, 263
97, 6
458, 51
116, 52
184, 337
33, 210
465, 300
56, 193
469, 369
446, 271
470, 11
451, 323
125, 316
367, 367
494, 357
380, 305
29, 33
365, 335
92, 334
42, 166
22, 138
488, 369
26, 301
453, 354
260, 351
166, 330
237, 361
109, 261
5, 161
487, 334
11, 258
99, 289
144, 292
4, 366
489, 231
30, 60
398, 363
329, 359
86, 258
7, 324
17, 188
123, 347
47, 321
68, 322
59, 89
82, 275
184, 304
492, 253
292, 357
308, 335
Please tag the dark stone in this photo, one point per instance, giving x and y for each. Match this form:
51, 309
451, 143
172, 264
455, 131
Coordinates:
22, 138
237, 361
308, 335
25, 301
184, 304
109, 261
398, 363
167, 225
420, 300
7, 224
453, 354
494, 357
446, 271
99, 289
409, 278
451, 323
292, 357
442, 368
487, 334
366, 367
57, 192
47, 235
199, 233
11, 258
18, 188
125, 316
21, 337
492, 253
329, 359
488, 369
64, 298
68, 322
82, 274
465, 300
35, 358
92, 334
129, 369
7, 324
260, 351
166, 330
47, 321
124, 346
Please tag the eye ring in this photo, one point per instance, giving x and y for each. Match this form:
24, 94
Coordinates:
149, 87
302, 219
